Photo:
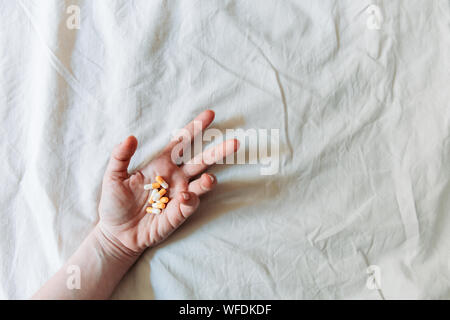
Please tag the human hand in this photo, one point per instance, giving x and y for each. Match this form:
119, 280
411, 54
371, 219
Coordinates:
123, 219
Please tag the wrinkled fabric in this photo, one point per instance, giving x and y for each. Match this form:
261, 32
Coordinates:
363, 115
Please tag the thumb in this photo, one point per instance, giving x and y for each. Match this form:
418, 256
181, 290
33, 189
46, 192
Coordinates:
120, 158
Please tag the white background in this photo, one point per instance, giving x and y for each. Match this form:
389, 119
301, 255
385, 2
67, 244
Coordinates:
365, 112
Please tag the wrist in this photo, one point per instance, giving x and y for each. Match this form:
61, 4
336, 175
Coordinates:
112, 248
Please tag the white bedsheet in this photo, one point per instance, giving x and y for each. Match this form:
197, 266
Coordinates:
365, 112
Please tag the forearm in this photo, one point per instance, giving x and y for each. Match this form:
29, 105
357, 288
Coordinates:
100, 262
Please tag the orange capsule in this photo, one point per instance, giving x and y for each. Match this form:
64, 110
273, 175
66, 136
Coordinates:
152, 186
161, 181
158, 205
153, 210
164, 200
155, 196
162, 192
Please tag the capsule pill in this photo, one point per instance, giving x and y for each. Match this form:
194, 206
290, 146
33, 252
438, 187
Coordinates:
158, 205
155, 195
161, 181
153, 210
164, 200
157, 201
152, 186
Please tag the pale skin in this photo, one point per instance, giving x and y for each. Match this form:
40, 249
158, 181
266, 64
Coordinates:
125, 230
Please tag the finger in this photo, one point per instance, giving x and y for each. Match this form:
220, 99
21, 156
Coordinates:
196, 126
183, 206
202, 161
203, 184
120, 158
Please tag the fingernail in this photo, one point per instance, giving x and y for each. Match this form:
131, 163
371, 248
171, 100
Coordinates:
211, 177
185, 195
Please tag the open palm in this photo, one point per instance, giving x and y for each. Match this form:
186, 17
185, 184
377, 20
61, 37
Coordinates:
123, 218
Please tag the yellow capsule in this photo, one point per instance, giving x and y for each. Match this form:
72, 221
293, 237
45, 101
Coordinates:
162, 192
161, 181
164, 200
158, 205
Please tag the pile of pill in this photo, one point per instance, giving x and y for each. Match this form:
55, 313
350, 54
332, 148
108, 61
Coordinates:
157, 199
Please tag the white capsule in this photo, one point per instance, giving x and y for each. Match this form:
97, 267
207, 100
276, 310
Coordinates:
158, 205
153, 210
155, 195
164, 185
161, 181
151, 186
